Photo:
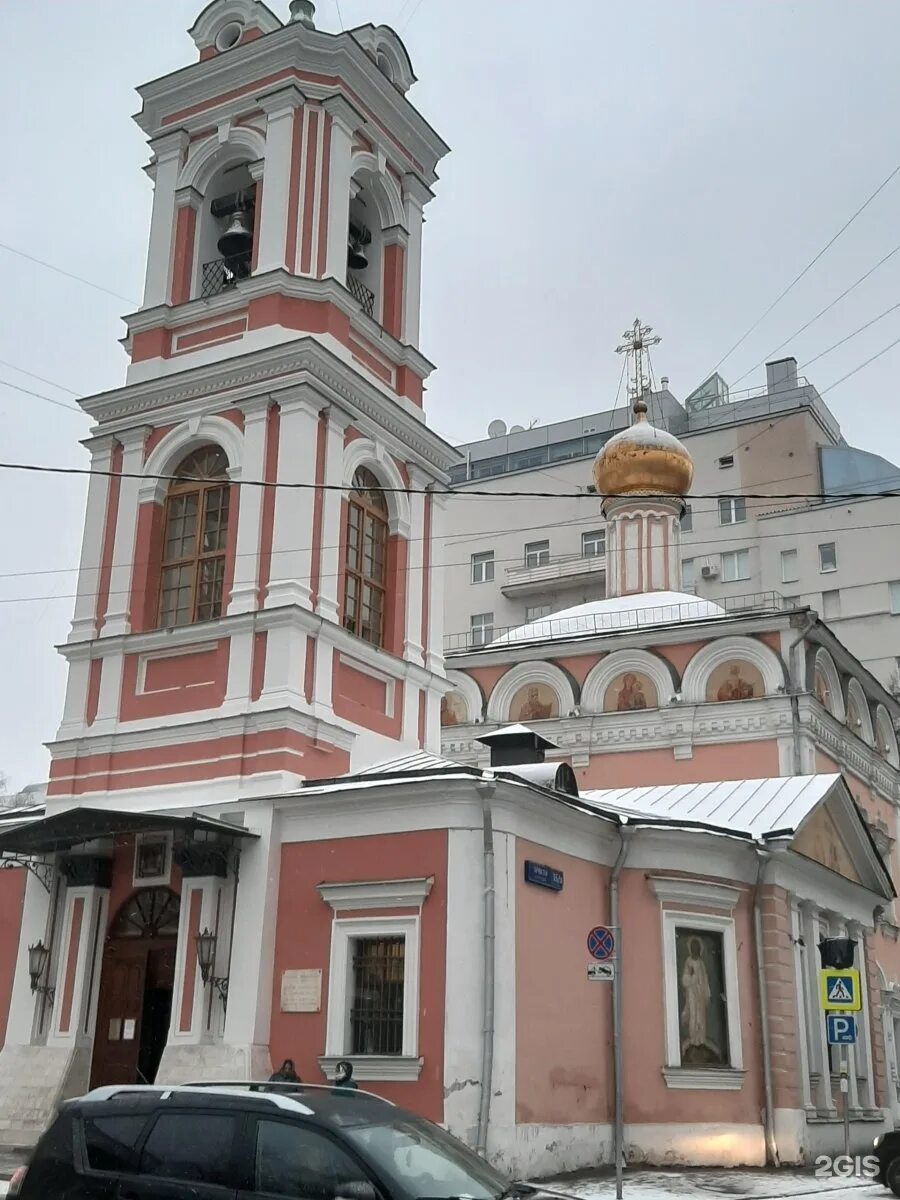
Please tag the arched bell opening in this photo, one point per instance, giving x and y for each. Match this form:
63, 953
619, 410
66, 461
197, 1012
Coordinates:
364, 249
227, 231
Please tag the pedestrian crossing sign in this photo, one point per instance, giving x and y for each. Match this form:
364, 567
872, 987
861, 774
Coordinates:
839, 990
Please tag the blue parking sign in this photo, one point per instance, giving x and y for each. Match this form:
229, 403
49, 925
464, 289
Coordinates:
840, 1029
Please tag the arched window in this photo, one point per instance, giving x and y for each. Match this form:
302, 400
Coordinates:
367, 535
196, 533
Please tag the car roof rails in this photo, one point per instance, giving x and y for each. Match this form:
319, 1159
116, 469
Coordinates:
273, 1086
167, 1091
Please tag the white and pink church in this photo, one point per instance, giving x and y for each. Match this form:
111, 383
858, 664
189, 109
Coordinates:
253, 846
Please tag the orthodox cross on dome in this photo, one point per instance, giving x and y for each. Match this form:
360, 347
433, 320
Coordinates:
637, 342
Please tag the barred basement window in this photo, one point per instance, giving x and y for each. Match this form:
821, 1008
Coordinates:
376, 1011
196, 535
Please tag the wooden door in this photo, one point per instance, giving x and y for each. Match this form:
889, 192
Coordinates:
119, 1013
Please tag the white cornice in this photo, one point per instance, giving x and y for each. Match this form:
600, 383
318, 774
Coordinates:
670, 889
313, 52
376, 893
231, 381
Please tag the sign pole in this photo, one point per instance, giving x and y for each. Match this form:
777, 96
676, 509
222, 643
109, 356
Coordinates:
845, 1095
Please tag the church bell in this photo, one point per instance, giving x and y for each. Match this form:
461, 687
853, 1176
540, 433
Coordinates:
356, 258
237, 239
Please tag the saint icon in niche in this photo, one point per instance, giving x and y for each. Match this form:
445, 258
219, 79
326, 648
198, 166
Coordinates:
151, 858
735, 681
631, 695
453, 710
701, 998
534, 702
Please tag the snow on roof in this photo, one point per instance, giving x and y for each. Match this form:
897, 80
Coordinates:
752, 806
619, 612
420, 760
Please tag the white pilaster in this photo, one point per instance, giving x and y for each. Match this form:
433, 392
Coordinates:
280, 106
345, 120
292, 534
117, 613
84, 624
74, 707
35, 927
328, 604
413, 650
253, 943
202, 1007
246, 562
168, 155
415, 195
434, 651
78, 973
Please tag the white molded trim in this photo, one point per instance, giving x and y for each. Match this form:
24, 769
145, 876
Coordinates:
723, 650
180, 441
376, 893
529, 672
704, 923
374, 1066
216, 15
340, 979
704, 1079
363, 452
245, 144
365, 167
470, 692
172, 652
864, 729
886, 739
618, 663
825, 663
681, 890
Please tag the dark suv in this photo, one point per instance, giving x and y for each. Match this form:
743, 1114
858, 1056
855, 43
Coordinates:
237, 1141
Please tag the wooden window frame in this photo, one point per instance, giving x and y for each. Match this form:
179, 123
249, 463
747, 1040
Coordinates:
374, 515
203, 489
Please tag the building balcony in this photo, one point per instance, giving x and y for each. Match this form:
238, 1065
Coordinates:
566, 568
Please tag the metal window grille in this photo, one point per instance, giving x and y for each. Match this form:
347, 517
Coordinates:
376, 1014
223, 273
358, 289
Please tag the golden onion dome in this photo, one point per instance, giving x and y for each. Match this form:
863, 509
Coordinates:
643, 460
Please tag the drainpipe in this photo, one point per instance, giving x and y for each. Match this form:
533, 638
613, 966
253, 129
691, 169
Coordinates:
618, 1082
486, 788
768, 1101
796, 687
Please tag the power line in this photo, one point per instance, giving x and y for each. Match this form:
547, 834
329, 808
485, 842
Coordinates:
41, 378
409, 19
820, 313
98, 287
692, 550
337, 5
867, 325
40, 396
860, 367
806, 269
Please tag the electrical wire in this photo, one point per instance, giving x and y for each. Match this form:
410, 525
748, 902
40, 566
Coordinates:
409, 19
861, 329
806, 269
820, 313
40, 396
98, 287
41, 378
337, 5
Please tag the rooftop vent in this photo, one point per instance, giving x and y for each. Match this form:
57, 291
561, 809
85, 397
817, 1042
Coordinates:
516, 745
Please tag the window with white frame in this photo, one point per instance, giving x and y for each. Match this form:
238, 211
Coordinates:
732, 510
827, 556
537, 554
790, 570
735, 565
481, 627
894, 590
483, 567
534, 612
689, 574
593, 544
831, 604
703, 1026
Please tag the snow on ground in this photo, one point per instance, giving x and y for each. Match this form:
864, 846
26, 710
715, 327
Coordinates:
718, 1185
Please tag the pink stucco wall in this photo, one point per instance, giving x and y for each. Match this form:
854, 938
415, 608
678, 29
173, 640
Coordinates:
637, 768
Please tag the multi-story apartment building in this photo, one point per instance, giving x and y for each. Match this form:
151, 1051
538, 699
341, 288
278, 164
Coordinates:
766, 515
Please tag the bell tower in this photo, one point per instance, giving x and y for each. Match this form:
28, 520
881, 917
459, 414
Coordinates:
290, 176
255, 602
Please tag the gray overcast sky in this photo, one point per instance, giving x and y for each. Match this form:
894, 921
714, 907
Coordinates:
680, 160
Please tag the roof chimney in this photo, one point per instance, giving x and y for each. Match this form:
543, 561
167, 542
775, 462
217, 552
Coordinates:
781, 376
304, 12
516, 745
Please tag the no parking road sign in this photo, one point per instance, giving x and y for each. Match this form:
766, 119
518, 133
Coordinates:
839, 990
601, 943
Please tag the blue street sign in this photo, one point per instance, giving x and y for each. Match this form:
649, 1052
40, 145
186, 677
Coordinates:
840, 1028
543, 876
601, 943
